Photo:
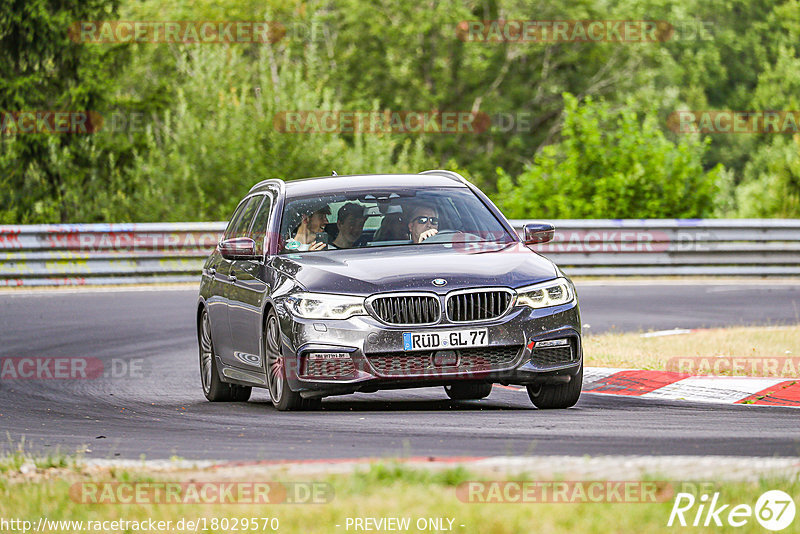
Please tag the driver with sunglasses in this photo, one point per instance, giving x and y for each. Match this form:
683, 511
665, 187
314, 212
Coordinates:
424, 223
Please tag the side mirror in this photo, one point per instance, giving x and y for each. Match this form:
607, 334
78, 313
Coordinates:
238, 248
539, 233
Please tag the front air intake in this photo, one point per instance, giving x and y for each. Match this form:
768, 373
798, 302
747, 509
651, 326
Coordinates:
477, 305
399, 309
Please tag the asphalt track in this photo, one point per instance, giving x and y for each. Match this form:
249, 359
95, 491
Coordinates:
159, 411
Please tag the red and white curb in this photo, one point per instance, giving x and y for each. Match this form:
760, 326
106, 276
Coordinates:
668, 385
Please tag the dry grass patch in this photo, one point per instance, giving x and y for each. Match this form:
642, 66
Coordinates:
741, 351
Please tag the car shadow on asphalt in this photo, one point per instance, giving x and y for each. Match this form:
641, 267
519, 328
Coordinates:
353, 403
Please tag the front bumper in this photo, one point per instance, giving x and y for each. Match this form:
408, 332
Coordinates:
364, 354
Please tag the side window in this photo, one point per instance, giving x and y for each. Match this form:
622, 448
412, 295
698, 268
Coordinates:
242, 224
237, 214
259, 231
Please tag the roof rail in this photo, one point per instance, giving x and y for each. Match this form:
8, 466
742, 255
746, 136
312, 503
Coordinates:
447, 174
265, 182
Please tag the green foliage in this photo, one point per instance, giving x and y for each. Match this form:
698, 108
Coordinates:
771, 187
189, 128
16, 457
45, 177
221, 138
611, 164
394, 473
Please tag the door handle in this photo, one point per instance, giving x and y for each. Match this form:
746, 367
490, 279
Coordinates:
233, 277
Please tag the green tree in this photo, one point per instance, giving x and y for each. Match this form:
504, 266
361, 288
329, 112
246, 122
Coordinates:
44, 176
206, 135
220, 138
411, 55
771, 185
611, 164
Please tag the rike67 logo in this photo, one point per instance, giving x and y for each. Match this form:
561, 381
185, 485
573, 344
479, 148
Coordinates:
774, 510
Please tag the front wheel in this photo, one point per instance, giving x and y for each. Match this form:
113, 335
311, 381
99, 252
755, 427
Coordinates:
557, 396
215, 389
468, 391
283, 398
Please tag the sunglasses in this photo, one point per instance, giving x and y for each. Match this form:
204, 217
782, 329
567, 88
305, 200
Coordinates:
423, 220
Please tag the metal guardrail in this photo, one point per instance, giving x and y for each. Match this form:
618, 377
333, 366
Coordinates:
82, 254
667, 247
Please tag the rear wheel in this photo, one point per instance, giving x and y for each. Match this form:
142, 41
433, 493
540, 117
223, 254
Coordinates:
468, 391
215, 389
283, 398
550, 396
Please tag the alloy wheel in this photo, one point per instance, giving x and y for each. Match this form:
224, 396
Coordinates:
206, 352
275, 361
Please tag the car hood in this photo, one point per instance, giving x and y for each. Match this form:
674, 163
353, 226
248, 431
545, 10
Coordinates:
407, 268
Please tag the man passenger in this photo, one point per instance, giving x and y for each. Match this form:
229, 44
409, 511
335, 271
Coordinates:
423, 223
350, 221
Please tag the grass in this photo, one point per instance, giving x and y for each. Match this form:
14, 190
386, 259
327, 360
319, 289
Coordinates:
383, 490
15, 460
763, 351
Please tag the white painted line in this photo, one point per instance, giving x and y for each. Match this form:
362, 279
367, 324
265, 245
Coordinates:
595, 374
673, 332
72, 290
727, 389
709, 280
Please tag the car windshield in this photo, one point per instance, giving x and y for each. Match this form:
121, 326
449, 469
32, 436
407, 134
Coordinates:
391, 217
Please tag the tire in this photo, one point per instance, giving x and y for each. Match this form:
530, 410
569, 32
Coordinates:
215, 389
558, 396
283, 398
468, 391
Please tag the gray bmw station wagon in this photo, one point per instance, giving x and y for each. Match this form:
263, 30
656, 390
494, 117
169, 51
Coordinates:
343, 284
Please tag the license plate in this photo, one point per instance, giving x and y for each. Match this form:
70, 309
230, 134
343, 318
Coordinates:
446, 339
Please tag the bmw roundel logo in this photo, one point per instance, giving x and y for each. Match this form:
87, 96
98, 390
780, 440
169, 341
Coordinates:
439, 282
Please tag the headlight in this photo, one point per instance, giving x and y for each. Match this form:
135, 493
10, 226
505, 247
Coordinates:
325, 306
552, 293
